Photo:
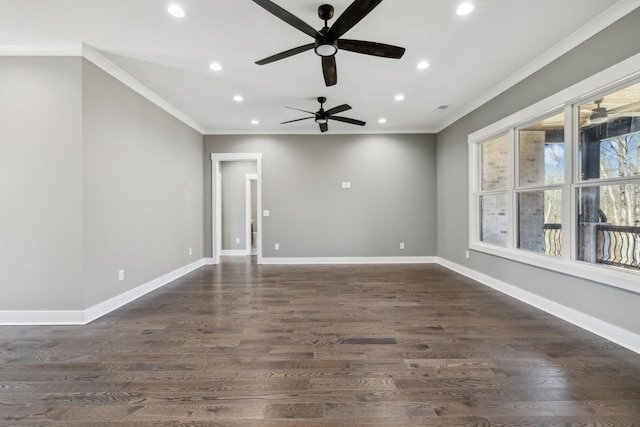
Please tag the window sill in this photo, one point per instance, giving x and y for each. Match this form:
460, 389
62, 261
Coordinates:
611, 276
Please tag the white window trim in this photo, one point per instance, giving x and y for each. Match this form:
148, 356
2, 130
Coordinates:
606, 80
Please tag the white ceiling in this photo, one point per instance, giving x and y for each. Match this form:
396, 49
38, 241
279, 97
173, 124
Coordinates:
472, 58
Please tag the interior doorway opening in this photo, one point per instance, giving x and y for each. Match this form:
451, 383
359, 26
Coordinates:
252, 243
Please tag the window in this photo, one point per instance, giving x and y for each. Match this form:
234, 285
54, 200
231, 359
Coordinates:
557, 185
540, 177
608, 195
493, 195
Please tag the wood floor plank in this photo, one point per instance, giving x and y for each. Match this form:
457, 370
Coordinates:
239, 345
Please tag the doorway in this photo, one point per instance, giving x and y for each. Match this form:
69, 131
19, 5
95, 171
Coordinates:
216, 175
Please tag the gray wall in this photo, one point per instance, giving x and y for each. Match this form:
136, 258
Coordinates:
392, 198
609, 304
234, 187
142, 188
93, 179
40, 184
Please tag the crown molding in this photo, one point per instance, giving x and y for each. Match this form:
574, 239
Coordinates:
92, 55
99, 60
588, 30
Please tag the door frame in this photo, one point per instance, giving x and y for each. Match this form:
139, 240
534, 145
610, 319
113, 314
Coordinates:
248, 205
216, 199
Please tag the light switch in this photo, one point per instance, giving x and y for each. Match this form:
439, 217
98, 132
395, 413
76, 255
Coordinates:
348, 184
265, 213
344, 184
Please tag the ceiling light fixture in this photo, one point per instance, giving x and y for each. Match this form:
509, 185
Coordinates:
255, 122
326, 49
176, 10
399, 97
464, 9
238, 98
423, 65
382, 120
215, 66
321, 120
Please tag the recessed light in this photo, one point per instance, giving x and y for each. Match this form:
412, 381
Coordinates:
464, 9
238, 98
215, 66
176, 10
423, 65
399, 97
255, 122
382, 120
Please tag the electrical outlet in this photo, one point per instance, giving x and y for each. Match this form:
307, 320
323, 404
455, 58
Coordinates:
190, 251
121, 275
401, 245
276, 246
237, 240
466, 253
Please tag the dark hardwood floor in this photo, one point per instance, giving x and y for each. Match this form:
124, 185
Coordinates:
371, 345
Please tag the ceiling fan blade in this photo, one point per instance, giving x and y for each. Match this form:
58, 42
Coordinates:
351, 16
348, 120
324, 127
623, 114
288, 17
296, 120
625, 108
286, 54
371, 48
338, 109
304, 111
329, 70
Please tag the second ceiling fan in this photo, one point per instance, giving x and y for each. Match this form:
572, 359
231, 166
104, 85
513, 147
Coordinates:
327, 40
322, 117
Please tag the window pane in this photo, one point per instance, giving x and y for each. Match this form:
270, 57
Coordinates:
493, 226
609, 225
539, 221
609, 133
495, 161
541, 152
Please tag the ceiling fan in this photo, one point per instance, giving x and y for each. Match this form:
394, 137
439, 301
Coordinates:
322, 117
601, 115
327, 40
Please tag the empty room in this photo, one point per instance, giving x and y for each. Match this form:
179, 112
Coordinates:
289, 213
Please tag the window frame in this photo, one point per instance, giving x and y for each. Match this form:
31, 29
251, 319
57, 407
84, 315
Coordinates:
568, 100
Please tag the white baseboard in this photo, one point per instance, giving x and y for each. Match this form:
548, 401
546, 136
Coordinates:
599, 327
349, 260
15, 318
82, 317
118, 301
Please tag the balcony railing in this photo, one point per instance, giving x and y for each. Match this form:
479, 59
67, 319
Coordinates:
553, 239
616, 245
